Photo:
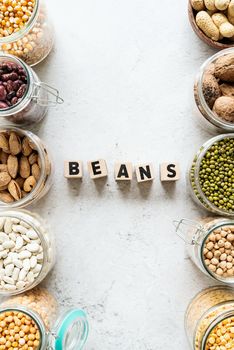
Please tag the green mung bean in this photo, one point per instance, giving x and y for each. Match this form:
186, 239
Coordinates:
216, 174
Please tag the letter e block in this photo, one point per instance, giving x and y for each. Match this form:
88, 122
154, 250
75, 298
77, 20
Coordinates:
170, 171
144, 172
123, 171
97, 169
73, 169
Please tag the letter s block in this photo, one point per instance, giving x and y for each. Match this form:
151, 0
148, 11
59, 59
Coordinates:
73, 169
170, 171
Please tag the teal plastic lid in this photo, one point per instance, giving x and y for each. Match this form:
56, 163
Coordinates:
72, 331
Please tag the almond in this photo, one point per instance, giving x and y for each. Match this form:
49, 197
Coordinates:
24, 167
3, 167
6, 197
26, 149
14, 143
3, 188
3, 157
29, 184
20, 181
36, 172
4, 144
32, 158
14, 190
32, 145
12, 164
4, 178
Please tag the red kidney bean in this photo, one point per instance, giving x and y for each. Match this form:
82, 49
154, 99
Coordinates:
3, 105
3, 93
21, 91
13, 83
10, 76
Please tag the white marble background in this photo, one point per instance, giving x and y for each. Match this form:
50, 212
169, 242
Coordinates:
126, 70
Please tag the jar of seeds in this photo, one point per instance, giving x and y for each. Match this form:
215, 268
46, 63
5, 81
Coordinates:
211, 175
26, 30
27, 251
25, 168
209, 319
34, 320
210, 245
24, 99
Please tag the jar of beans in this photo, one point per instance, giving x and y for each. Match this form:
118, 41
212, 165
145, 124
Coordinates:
25, 168
214, 90
211, 175
209, 319
210, 245
24, 99
27, 251
25, 30
33, 321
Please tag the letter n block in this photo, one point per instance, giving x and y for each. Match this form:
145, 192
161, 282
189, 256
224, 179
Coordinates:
73, 169
97, 169
170, 171
144, 172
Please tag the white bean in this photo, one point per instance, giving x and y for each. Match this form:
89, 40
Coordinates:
20, 229
20, 284
3, 237
10, 287
33, 262
8, 280
26, 264
25, 254
32, 234
15, 274
18, 263
33, 247
22, 274
30, 277
9, 269
8, 244
19, 243
8, 226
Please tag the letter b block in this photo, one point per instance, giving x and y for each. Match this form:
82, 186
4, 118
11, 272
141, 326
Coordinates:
73, 169
170, 171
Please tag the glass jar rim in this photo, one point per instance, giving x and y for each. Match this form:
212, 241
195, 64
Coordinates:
224, 222
216, 322
20, 105
35, 139
25, 215
200, 155
209, 114
35, 317
18, 35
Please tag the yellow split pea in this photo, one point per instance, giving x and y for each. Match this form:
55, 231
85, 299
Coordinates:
14, 14
18, 331
222, 336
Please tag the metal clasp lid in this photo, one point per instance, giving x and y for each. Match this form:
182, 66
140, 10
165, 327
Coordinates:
183, 232
50, 91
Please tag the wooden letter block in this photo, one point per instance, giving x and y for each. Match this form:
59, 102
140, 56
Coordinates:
123, 171
97, 169
144, 172
73, 169
170, 171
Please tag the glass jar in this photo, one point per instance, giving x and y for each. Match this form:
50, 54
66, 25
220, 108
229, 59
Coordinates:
207, 310
41, 157
19, 271
199, 88
210, 245
34, 41
194, 184
33, 106
52, 329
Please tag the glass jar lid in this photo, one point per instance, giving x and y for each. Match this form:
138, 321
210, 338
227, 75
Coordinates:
71, 331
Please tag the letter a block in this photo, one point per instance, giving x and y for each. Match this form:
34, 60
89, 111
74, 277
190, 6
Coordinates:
170, 171
123, 171
73, 169
97, 169
144, 172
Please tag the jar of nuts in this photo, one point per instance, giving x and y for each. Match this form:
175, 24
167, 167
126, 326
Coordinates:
27, 251
25, 30
25, 168
33, 321
210, 245
209, 319
24, 99
214, 90
211, 175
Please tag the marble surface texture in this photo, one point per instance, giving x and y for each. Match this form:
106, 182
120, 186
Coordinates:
126, 70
